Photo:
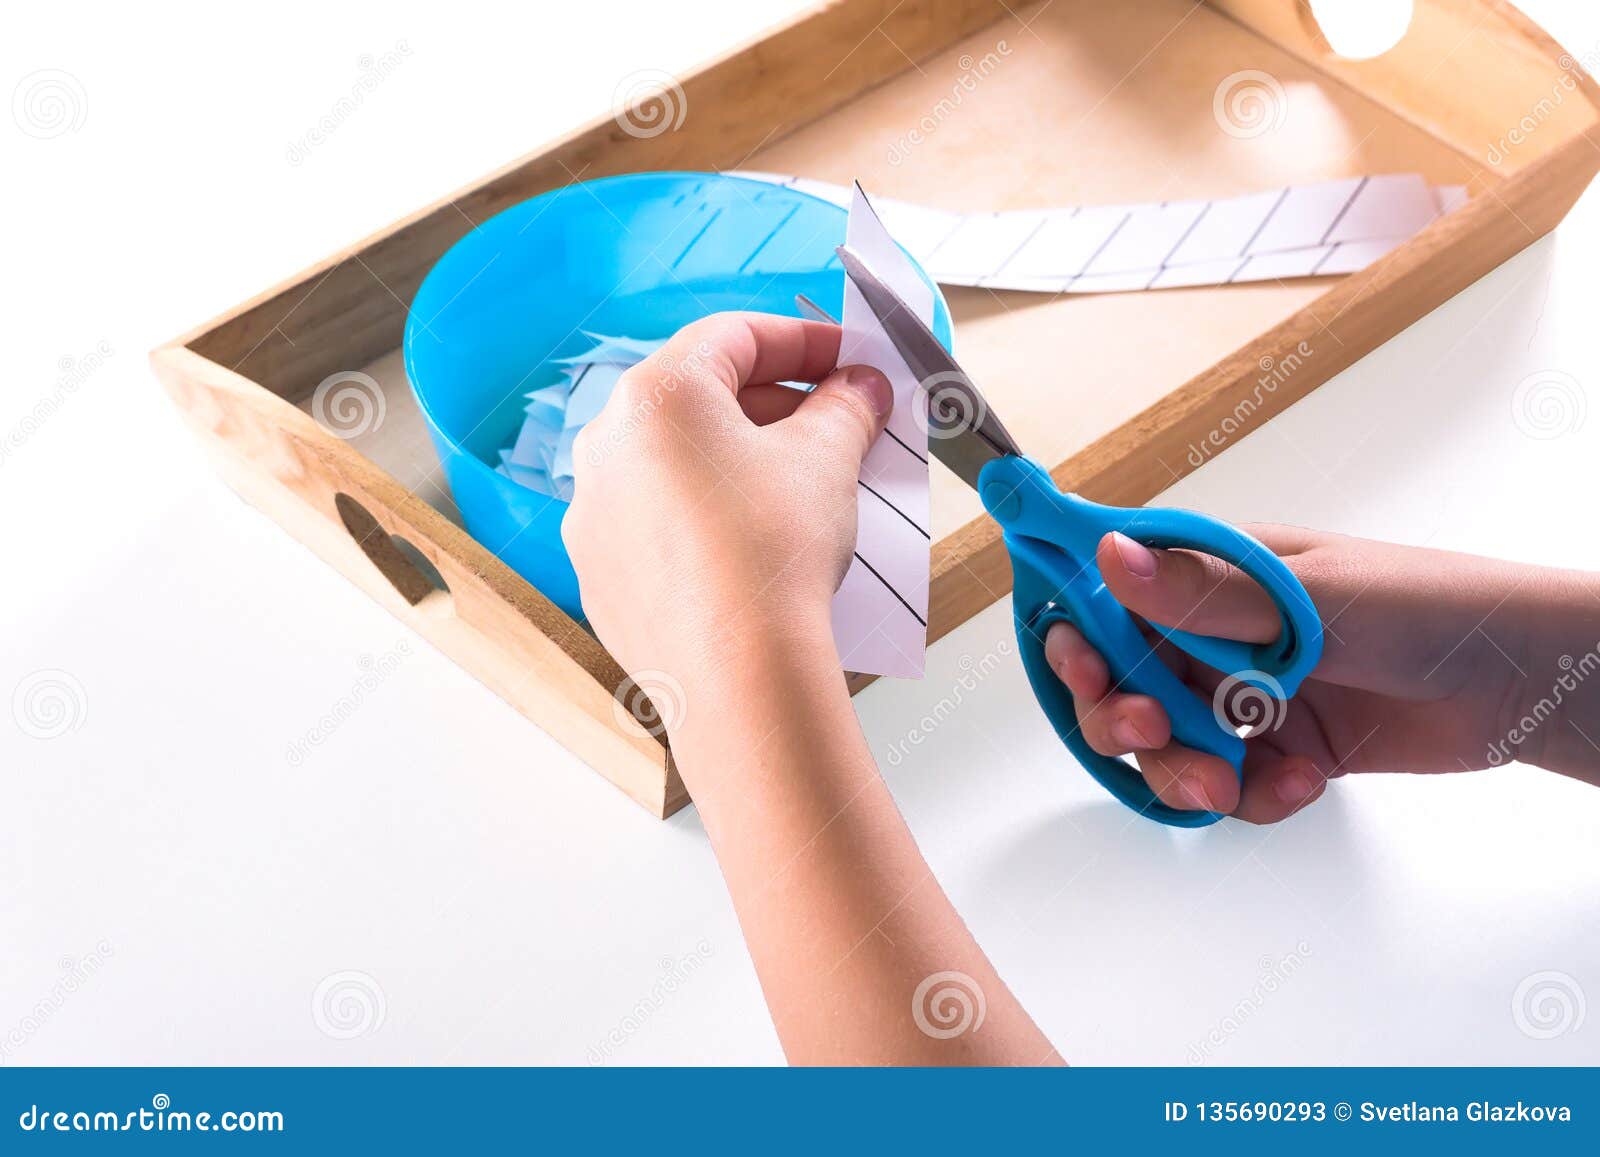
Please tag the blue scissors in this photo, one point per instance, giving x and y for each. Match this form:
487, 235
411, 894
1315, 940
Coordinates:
1051, 538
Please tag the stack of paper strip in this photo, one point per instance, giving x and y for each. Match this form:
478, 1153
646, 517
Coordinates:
541, 456
1299, 231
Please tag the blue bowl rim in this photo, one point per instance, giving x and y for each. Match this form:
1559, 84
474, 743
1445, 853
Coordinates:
942, 319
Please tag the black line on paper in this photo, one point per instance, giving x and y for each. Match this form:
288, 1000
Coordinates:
1101, 248
896, 509
1343, 209
888, 586
920, 458
1282, 196
1177, 245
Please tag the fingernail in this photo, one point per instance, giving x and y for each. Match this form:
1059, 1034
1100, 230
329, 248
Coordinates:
874, 385
1293, 787
1194, 791
1135, 556
1126, 732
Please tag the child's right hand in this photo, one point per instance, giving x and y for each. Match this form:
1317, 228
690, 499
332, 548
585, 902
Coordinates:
1432, 662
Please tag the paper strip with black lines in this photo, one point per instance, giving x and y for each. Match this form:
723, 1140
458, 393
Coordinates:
880, 612
1326, 228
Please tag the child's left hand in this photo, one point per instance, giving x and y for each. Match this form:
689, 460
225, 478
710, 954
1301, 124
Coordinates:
714, 510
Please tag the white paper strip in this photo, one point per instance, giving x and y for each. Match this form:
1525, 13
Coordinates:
1331, 227
880, 612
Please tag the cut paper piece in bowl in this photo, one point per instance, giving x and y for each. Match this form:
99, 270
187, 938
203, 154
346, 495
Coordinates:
541, 456
581, 281
1325, 228
880, 612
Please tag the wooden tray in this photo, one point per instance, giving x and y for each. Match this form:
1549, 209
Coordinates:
1075, 101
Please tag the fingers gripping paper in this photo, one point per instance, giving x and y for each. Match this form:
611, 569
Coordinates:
880, 614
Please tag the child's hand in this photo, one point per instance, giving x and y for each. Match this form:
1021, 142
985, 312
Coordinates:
714, 517
714, 510
1432, 662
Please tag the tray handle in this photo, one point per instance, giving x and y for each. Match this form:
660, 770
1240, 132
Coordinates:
408, 570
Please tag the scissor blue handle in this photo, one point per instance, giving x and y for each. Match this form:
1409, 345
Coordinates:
1052, 538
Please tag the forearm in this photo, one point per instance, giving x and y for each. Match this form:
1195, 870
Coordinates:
843, 918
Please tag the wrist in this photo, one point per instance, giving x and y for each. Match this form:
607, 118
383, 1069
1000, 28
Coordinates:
751, 654
765, 679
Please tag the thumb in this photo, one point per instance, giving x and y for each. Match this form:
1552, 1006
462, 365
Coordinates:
849, 408
1181, 588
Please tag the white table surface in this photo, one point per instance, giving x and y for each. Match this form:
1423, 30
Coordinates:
439, 881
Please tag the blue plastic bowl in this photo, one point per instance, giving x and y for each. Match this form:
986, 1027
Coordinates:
638, 256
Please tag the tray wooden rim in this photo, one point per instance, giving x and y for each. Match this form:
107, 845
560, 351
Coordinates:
284, 461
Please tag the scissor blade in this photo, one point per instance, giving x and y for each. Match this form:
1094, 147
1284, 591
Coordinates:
963, 432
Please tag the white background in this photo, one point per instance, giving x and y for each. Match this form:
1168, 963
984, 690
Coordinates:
503, 903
